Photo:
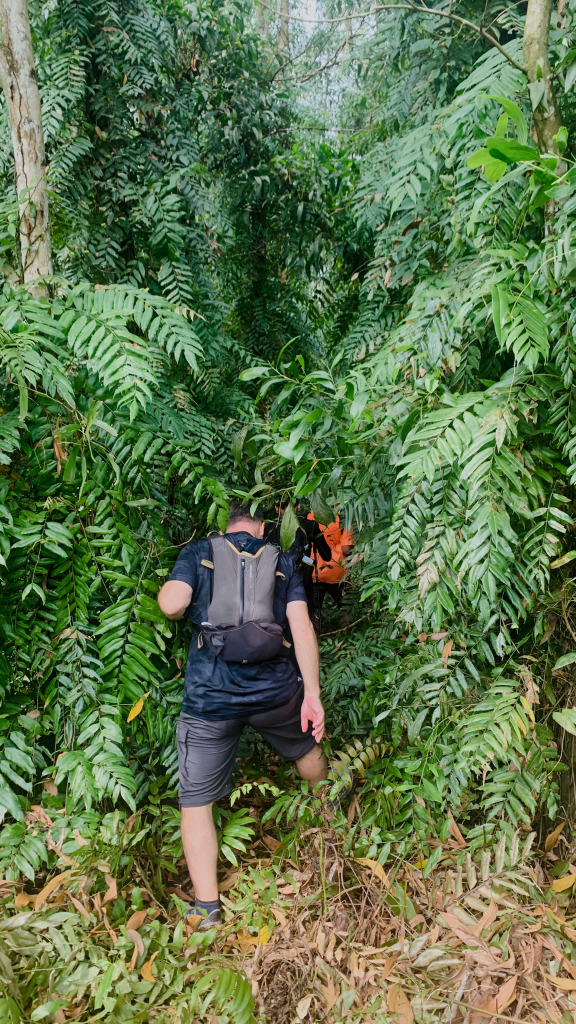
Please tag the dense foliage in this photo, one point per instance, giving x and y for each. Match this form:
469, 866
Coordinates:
401, 296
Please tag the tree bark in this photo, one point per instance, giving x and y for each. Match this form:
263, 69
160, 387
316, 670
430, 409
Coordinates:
284, 35
20, 85
264, 22
547, 117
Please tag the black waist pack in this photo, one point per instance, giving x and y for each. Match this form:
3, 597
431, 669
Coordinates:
241, 624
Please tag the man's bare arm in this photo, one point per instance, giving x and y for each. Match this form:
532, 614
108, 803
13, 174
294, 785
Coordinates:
305, 646
174, 598
306, 650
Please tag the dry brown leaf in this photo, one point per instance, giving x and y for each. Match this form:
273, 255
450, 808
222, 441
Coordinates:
80, 838
388, 966
136, 938
112, 890
303, 1006
280, 917
553, 837
42, 815
51, 787
447, 651
504, 996
375, 867
24, 898
422, 637
398, 1003
330, 993
548, 941
273, 844
136, 920
566, 882
439, 636
79, 907
464, 932
506, 993
49, 889
566, 984
146, 969
229, 882
455, 831
110, 930
61, 856
487, 919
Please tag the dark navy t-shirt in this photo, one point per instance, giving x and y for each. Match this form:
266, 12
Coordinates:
218, 689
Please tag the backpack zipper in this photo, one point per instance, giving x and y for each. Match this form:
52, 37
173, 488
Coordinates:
242, 567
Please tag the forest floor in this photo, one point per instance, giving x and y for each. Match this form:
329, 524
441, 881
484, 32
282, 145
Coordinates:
485, 934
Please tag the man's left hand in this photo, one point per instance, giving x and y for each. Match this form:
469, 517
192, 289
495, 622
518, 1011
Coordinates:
312, 711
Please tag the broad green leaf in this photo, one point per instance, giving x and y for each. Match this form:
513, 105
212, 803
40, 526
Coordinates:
323, 513
566, 719
566, 659
288, 527
510, 151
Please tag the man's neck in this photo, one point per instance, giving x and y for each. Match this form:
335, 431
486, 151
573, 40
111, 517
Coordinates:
245, 526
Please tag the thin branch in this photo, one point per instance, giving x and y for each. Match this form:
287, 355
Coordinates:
345, 628
416, 9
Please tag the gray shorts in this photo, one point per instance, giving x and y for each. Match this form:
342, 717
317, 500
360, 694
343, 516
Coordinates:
207, 749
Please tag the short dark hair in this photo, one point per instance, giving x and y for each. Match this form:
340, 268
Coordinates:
238, 511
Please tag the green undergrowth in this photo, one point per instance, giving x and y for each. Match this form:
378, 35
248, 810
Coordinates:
101, 935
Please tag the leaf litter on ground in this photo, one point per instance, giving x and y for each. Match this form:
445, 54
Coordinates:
484, 935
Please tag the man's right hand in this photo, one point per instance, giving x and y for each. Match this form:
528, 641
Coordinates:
174, 598
312, 711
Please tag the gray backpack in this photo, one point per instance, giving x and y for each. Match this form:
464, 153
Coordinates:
241, 624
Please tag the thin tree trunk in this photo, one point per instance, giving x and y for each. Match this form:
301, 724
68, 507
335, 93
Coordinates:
20, 85
284, 36
547, 117
264, 22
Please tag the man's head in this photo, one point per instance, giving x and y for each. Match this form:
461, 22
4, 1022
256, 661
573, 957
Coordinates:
242, 520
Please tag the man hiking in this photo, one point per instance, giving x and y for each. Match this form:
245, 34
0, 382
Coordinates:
247, 606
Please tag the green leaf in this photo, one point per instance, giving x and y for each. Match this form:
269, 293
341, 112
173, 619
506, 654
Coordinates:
566, 659
514, 112
566, 718
47, 1009
288, 527
323, 514
510, 151
432, 861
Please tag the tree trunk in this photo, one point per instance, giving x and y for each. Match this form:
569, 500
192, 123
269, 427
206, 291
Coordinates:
20, 85
264, 22
547, 117
284, 36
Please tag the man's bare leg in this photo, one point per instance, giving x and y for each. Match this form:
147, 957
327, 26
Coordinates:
201, 850
313, 766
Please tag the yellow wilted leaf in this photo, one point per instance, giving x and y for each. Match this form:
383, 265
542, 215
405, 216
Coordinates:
375, 867
566, 984
49, 888
135, 711
146, 969
263, 935
560, 884
552, 839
